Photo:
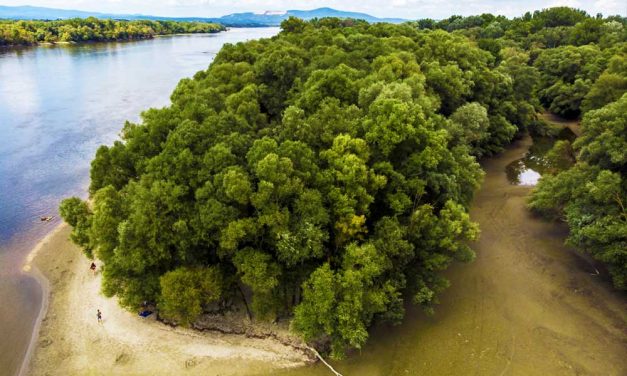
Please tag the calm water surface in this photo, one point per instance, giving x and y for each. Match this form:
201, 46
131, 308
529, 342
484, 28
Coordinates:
57, 105
534, 163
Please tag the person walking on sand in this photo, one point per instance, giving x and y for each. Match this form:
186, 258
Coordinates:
93, 268
99, 315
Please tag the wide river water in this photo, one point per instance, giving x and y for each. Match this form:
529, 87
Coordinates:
57, 105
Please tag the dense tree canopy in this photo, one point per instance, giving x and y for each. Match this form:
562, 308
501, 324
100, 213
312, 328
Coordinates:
591, 195
14, 33
576, 55
326, 172
574, 65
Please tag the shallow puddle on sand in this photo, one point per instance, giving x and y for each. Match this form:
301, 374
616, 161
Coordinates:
527, 170
519, 174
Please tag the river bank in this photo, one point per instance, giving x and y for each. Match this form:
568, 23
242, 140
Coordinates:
572, 124
53, 124
71, 342
528, 305
86, 42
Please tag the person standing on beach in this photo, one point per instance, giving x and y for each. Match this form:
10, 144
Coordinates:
99, 315
93, 268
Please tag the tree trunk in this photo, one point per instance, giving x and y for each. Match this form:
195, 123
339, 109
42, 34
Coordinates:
250, 316
317, 354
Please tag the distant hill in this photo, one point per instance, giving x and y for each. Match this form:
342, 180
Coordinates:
275, 18
269, 18
37, 13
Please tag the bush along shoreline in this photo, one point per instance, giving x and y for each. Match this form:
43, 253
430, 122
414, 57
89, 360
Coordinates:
323, 175
78, 30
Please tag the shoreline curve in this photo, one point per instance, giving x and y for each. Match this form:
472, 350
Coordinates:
44, 285
67, 339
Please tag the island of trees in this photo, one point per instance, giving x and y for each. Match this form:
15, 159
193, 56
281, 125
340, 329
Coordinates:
24, 33
325, 174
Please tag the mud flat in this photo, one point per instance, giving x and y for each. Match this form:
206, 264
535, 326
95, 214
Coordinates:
532, 306
526, 306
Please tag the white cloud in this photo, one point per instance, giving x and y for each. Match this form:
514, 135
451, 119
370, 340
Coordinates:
393, 8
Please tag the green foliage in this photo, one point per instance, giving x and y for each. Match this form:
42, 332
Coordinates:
262, 275
76, 213
561, 156
558, 16
470, 125
108, 213
610, 85
561, 52
111, 166
185, 291
566, 75
591, 196
328, 171
15, 33
578, 65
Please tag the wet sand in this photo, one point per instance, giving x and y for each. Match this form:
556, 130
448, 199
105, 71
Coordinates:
49, 138
529, 305
526, 306
71, 342
18, 294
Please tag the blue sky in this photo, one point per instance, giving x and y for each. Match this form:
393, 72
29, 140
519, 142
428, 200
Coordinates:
383, 8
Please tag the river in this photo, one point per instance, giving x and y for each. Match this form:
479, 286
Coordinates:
527, 305
57, 105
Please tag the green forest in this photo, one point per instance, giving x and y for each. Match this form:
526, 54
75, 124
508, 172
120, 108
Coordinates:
23, 33
325, 174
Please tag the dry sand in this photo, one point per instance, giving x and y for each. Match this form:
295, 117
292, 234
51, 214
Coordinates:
526, 306
71, 342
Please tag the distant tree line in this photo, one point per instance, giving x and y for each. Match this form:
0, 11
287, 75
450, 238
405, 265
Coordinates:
576, 55
327, 172
20, 33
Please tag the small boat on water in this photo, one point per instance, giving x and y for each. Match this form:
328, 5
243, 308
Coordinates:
46, 219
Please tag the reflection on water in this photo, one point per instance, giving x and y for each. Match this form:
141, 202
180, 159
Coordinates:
57, 105
519, 174
529, 169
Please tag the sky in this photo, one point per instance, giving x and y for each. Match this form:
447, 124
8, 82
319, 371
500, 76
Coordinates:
410, 9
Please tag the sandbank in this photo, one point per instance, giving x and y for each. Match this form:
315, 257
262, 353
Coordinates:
70, 340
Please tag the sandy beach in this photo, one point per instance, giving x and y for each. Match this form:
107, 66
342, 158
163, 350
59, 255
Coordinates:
527, 305
72, 342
